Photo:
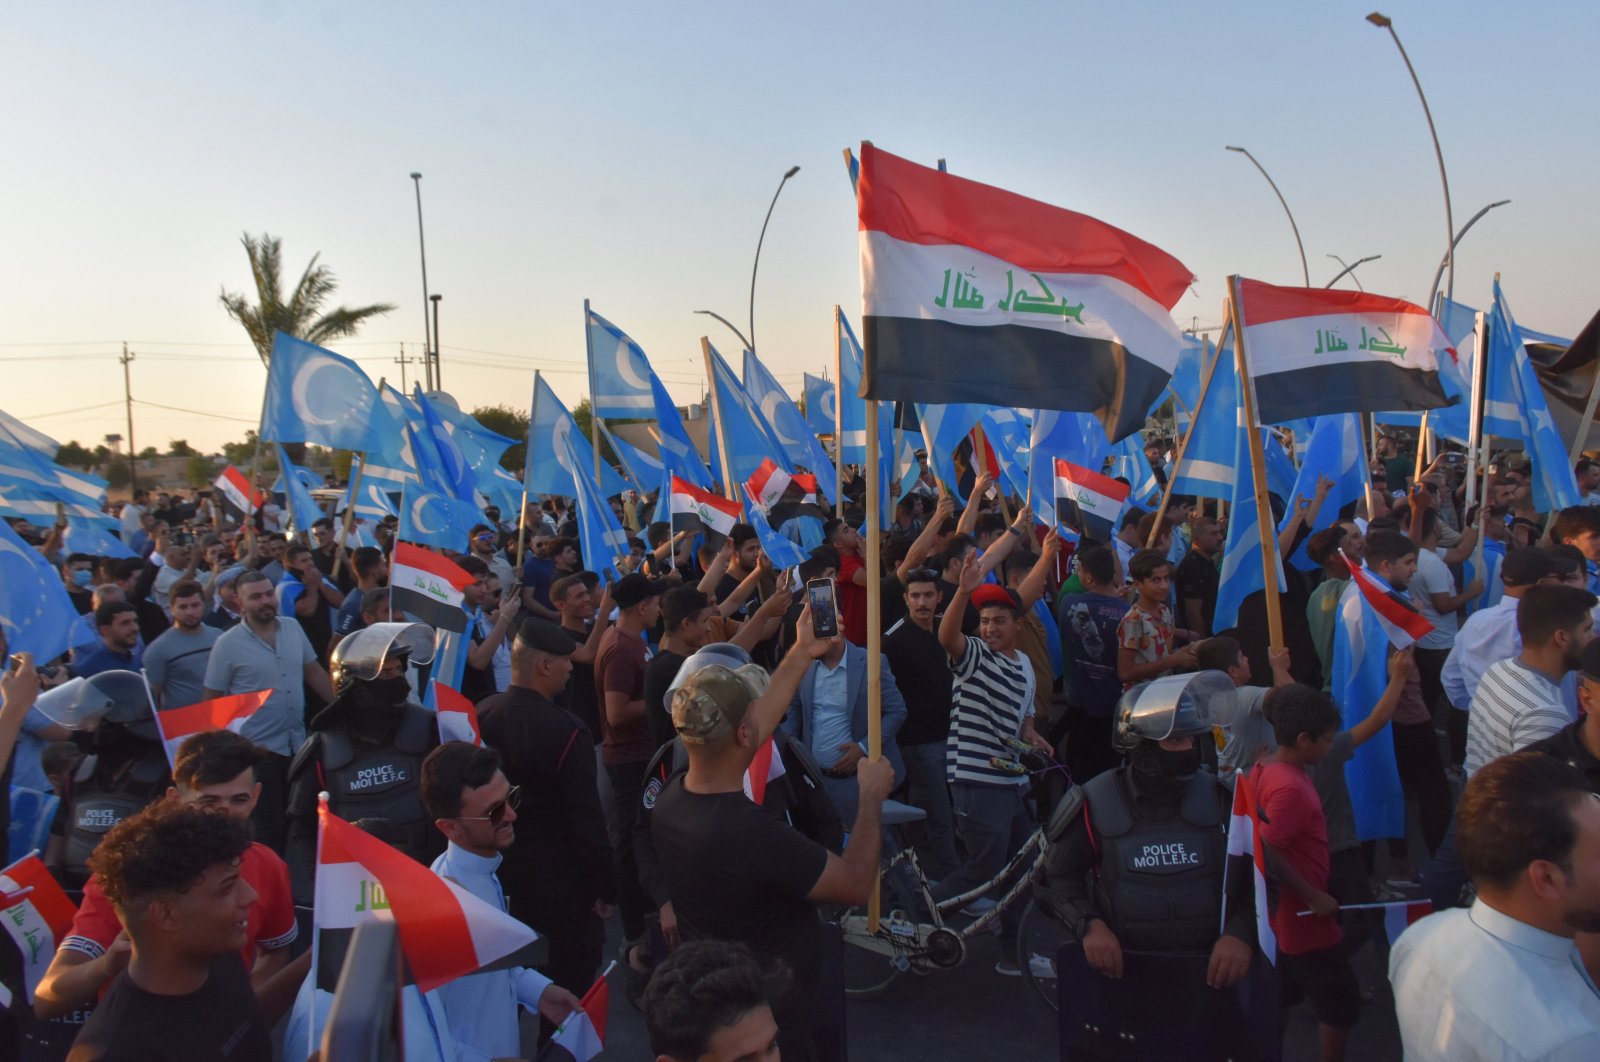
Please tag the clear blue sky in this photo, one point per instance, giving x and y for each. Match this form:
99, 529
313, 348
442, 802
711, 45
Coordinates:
626, 153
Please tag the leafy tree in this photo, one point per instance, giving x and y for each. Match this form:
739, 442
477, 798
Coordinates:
513, 424
149, 453
199, 470
76, 455
301, 313
180, 448
117, 473
239, 454
102, 454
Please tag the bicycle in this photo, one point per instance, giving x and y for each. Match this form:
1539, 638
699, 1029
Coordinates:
904, 943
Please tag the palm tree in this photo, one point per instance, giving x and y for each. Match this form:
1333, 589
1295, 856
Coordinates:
301, 315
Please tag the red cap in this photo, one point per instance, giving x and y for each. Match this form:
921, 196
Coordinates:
994, 594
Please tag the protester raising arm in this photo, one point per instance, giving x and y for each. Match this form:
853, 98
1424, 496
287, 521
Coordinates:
1305, 515
717, 568
587, 652
969, 515
922, 546
1033, 586
950, 636
1383, 711
1001, 548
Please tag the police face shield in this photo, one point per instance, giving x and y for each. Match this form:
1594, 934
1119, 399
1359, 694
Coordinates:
362, 655
1174, 706
109, 697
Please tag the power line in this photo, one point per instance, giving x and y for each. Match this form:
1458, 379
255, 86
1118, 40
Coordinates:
64, 412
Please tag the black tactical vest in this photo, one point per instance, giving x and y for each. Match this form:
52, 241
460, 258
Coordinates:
382, 781
101, 799
1159, 881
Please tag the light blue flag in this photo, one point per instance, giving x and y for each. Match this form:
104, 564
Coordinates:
788, 425
1076, 437
31, 486
1010, 436
481, 448
819, 404
316, 396
852, 435
387, 469
1208, 468
619, 372
550, 430
1281, 472
743, 427
35, 611
1360, 675
1185, 382
376, 498
943, 428
1554, 484
644, 470
84, 537
435, 518
600, 537
302, 509
29, 438
677, 449
1333, 450
452, 466
1128, 462
1241, 556
781, 551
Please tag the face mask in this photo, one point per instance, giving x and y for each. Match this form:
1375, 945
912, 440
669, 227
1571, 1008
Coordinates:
1158, 771
383, 693
82, 577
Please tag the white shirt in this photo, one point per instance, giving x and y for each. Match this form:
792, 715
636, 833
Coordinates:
131, 516
482, 1007
1514, 707
1476, 984
1433, 577
1489, 636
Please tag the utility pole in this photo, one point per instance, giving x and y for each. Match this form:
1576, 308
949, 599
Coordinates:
127, 394
403, 361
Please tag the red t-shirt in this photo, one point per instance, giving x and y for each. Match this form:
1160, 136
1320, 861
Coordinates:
852, 599
272, 923
1293, 823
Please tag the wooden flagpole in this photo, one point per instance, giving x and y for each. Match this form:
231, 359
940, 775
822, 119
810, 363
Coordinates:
838, 412
728, 489
1183, 443
874, 620
1258, 468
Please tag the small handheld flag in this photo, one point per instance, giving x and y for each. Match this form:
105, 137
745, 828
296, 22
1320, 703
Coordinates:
36, 913
232, 712
696, 510
428, 586
458, 717
582, 1035
1088, 502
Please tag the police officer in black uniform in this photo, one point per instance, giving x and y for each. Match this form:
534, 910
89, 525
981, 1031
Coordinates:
1137, 854
365, 750
124, 770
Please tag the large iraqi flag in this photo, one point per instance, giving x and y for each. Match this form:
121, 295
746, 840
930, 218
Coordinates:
429, 586
972, 293
1313, 351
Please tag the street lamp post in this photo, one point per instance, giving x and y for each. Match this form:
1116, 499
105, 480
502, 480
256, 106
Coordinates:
1385, 22
1449, 255
427, 344
438, 370
747, 344
790, 172
1305, 271
1350, 267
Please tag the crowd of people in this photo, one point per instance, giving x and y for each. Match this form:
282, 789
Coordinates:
620, 719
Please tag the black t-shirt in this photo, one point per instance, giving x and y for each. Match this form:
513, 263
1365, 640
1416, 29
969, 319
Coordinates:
738, 872
580, 697
658, 676
1198, 580
921, 671
221, 1021
969, 618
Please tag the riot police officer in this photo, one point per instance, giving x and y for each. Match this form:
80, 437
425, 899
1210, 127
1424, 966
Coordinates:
365, 749
1137, 854
124, 770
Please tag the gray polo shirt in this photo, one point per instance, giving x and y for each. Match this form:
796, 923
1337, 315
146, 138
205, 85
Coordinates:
241, 662
177, 661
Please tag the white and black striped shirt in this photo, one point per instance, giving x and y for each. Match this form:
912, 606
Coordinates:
1513, 707
991, 695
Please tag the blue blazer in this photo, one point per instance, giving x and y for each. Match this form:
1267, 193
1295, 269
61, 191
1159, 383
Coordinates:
798, 721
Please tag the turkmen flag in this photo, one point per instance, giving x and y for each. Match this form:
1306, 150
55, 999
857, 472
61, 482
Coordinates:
695, 510
1088, 502
974, 294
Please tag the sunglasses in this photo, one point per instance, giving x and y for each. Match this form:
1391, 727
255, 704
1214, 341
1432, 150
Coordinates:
496, 813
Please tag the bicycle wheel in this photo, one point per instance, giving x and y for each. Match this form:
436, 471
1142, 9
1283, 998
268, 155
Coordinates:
867, 973
1039, 938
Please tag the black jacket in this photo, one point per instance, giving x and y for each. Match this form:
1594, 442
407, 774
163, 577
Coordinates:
1567, 745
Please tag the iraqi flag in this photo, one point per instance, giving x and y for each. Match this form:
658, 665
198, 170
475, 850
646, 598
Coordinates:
36, 913
232, 712
769, 484
1313, 351
766, 768
694, 509
458, 718
804, 499
1088, 502
445, 931
971, 293
1401, 622
1244, 841
428, 586
582, 1035
1398, 917
238, 497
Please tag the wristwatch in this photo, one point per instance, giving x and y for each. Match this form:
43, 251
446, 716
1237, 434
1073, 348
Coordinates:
1013, 529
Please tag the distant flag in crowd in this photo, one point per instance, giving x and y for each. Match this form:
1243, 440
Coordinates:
788, 425
458, 717
1334, 450
851, 435
232, 712
35, 488
1207, 470
317, 396
742, 426
768, 485
428, 586
431, 518
1075, 437
36, 913
237, 494
619, 372
303, 510
547, 471
1361, 641
386, 469
600, 533
445, 931
1129, 462
1007, 433
695, 510
581, 1035
1554, 484
1088, 502
1313, 351
35, 611
1241, 573
1185, 382
1245, 842
453, 468
781, 551
83, 536
644, 470
677, 449
944, 427
819, 404
972, 293
1402, 624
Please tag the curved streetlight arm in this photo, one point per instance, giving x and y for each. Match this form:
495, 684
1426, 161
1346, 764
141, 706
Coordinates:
1350, 268
1305, 271
1446, 260
747, 344
790, 172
